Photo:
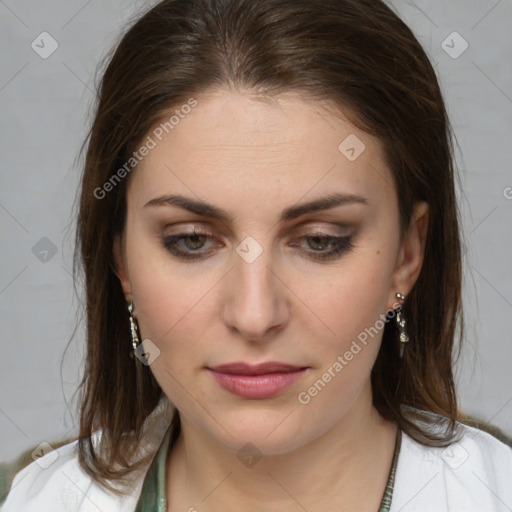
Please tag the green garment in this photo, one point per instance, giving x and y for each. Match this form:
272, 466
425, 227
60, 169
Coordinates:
152, 498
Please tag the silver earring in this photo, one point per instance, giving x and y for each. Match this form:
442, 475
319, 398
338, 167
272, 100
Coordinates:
133, 327
400, 322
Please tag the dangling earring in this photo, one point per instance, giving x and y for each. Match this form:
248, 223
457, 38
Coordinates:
400, 322
133, 327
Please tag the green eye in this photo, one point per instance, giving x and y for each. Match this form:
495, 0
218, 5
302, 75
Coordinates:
319, 243
195, 242
319, 246
188, 245
324, 247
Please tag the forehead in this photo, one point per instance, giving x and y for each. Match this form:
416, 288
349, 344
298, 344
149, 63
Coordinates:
240, 147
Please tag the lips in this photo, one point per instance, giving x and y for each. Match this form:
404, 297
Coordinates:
241, 368
256, 381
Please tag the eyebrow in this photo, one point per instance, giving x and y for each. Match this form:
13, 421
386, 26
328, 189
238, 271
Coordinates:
209, 210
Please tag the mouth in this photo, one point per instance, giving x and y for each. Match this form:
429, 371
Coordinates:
256, 381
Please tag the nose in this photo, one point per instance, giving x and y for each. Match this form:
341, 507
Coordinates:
255, 303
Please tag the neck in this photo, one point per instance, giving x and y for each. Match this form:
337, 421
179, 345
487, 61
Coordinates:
346, 468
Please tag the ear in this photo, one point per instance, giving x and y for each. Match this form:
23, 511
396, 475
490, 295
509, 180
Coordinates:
121, 268
411, 253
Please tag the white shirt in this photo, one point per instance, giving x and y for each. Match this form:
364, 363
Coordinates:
471, 475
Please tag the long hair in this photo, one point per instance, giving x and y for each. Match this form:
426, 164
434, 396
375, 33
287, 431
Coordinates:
358, 55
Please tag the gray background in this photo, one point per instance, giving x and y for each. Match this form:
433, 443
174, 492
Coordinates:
46, 109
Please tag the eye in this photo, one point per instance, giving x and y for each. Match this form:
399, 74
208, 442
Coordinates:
322, 246
199, 245
189, 246
319, 243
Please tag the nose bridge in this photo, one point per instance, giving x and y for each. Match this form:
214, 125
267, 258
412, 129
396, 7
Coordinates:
254, 277
255, 302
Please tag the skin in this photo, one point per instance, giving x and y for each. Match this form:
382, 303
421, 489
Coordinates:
254, 159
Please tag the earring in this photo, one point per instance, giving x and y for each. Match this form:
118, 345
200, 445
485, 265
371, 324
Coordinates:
400, 322
133, 327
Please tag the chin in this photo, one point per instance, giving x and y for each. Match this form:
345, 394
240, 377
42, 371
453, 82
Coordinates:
270, 436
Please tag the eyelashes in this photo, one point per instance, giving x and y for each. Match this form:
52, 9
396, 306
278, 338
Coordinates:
175, 245
319, 242
317, 246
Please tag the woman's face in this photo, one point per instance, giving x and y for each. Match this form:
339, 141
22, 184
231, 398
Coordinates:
265, 232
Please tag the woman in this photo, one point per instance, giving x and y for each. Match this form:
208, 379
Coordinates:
270, 244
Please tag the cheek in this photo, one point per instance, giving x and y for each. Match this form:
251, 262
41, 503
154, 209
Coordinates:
176, 309
353, 307
174, 314
351, 299
163, 298
169, 306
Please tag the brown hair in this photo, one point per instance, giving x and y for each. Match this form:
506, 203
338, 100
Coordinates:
358, 55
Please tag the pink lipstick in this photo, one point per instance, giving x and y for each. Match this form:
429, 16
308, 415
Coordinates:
256, 381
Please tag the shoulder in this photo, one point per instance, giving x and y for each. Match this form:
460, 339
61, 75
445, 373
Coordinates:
56, 482
473, 473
